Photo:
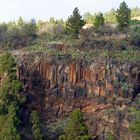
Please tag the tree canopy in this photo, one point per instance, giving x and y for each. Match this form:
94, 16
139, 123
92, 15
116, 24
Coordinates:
88, 17
36, 130
10, 99
110, 17
99, 20
75, 129
75, 22
123, 16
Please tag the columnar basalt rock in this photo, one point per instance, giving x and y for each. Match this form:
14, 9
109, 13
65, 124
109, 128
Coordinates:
104, 78
56, 86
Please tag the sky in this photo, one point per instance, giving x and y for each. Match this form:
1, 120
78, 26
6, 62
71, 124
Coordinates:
44, 9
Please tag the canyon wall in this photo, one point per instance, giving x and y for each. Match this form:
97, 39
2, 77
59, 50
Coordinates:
56, 85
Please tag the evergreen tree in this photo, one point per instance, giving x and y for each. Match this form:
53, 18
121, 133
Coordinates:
75, 22
10, 99
36, 130
75, 128
7, 65
9, 124
99, 20
123, 16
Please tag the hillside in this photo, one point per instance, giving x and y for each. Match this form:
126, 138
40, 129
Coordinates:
77, 79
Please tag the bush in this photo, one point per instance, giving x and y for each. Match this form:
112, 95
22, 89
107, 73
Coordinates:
14, 36
50, 32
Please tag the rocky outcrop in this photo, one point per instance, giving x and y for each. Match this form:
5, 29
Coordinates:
57, 85
75, 78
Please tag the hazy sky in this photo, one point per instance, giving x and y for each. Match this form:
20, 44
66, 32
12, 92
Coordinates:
44, 9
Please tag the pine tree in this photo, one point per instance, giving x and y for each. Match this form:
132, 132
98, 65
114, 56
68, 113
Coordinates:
36, 130
75, 128
9, 99
123, 16
75, 22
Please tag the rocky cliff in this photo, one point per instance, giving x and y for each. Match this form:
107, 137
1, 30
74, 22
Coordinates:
103, 90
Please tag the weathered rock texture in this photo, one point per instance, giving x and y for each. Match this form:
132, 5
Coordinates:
55, 86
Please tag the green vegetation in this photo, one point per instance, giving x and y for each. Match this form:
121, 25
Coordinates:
88, 17
99, 20
8, 125
135, 11
75, 128
64, 39
134, 126
123, 16
109, 136
18, 35
75, 22
129, 55
10, 99
7, 65
21, 34
135, 37
110, 17
36, 130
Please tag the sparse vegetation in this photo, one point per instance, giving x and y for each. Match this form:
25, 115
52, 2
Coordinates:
84, 41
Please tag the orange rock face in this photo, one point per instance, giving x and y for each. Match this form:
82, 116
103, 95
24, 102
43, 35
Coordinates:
76, 79
72, 73
56, 86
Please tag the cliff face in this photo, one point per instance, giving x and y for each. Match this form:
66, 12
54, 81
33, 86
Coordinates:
76, 78
55, 86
